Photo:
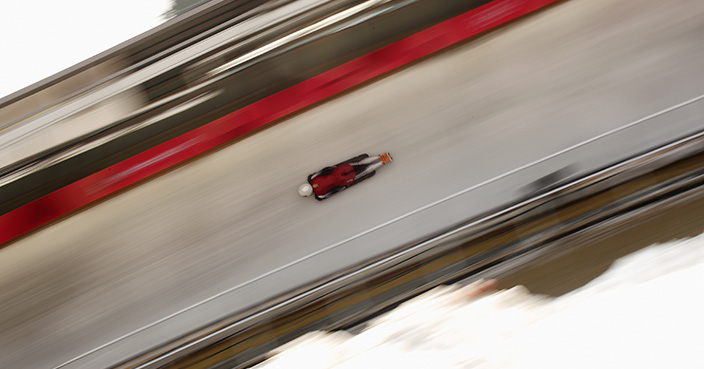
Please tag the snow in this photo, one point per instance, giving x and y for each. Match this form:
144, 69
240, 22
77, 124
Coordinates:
644, 312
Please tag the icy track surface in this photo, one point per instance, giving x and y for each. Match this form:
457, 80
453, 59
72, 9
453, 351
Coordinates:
644, 312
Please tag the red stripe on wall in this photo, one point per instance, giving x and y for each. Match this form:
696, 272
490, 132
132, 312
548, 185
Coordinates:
278, 105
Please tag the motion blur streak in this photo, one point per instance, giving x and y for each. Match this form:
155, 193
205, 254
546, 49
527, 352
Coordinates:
71, 197
282, 41
92, 144
515, 96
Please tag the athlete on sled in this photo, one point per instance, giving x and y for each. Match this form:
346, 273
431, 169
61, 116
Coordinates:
330, 180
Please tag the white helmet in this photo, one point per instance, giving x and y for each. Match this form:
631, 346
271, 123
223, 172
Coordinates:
305, 190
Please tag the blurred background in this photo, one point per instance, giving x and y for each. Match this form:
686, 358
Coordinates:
151, 155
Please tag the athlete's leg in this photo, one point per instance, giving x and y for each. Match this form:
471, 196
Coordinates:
367, 161
384, 158
372, 163
370, 168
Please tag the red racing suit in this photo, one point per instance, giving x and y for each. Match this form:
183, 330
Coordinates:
342, 175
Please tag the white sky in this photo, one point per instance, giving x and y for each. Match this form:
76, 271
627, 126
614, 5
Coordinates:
43, 37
